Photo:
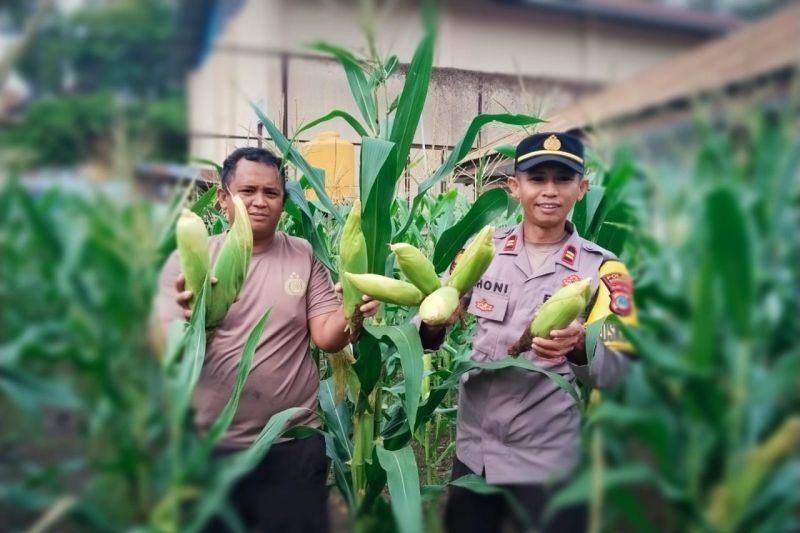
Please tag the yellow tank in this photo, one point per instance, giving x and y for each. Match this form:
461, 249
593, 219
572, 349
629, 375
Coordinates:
336, 157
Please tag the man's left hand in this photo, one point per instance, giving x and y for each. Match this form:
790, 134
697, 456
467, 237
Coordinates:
561, 341
368, 308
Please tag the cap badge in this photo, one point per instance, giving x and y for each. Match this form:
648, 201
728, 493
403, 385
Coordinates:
552, 143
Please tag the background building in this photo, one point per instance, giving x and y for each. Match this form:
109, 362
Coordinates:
534, 57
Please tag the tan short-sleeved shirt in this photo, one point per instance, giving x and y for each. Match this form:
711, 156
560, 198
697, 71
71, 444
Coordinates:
288, 279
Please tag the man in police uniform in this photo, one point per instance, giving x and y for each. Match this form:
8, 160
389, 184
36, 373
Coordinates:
516, 428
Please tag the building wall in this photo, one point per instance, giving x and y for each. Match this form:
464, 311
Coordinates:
489, 58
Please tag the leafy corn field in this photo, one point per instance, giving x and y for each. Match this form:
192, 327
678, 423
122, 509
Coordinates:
702, 435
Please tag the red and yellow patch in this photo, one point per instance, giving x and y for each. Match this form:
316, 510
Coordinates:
511, 244
483, 305
569, 255
572, 278
620, 287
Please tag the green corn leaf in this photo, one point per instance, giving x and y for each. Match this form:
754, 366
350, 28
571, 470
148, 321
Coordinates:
403, 480
224, 419
406, 340
336, 113
461, 149
360, 86
314, 175
489, 206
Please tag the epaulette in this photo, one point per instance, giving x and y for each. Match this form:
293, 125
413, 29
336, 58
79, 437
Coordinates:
503, 232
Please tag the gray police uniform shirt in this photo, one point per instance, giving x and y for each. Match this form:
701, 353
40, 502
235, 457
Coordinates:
514, 425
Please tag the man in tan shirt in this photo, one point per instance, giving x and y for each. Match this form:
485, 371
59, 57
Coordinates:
287, 492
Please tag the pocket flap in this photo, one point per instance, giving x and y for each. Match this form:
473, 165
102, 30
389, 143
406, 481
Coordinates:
489, 306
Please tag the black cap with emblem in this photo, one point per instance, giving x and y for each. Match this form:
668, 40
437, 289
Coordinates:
550, 147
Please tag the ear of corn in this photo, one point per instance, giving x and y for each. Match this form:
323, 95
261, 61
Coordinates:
563, 307
232, 264
416, 267
439, 306
192, 237
475, 260
352, 259
385, 289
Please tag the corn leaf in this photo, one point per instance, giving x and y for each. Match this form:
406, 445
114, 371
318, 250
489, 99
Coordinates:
406, 340
411, 101
299, 210
336, 113
378, 180
489, 206
314, 175
224, 419
360, 86
459, 151
403, 481
234, 467
731, 246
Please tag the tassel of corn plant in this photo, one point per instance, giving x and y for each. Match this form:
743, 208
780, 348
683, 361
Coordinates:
192, 237
340, 363
416, 267
232, 264
474, 261
352, 259
385, 289
563, 307
729, 500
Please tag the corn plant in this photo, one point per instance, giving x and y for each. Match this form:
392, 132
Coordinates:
97, 430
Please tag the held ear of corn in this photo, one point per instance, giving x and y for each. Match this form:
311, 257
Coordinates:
232, 264
563, 307
352, 259
192, 237
474, 261
385, 289
416, 267
439, 306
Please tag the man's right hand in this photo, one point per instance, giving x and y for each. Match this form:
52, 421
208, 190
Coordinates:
184, 297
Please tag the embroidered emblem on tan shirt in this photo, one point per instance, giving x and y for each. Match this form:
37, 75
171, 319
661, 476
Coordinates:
295, 286
483, 305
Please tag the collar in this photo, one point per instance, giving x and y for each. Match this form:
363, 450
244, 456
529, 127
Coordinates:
568, 255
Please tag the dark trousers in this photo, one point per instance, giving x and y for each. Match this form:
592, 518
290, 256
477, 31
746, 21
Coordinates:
468, 511
285, 493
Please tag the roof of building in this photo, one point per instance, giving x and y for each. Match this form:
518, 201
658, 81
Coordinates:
755, 51
641, 13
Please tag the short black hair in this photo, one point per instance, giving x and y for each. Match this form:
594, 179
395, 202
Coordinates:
251, 153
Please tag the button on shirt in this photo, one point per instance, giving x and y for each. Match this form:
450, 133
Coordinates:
514, 425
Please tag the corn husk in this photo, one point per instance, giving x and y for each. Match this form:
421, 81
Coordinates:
474, 261
416, 267
192, 237
385, 289
439, 306
232, 264
558, 312
352, 259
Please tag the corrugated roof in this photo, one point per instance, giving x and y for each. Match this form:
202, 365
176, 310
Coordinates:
756, 50
641, 13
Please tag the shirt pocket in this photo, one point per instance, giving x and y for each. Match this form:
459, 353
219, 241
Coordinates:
488, 305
